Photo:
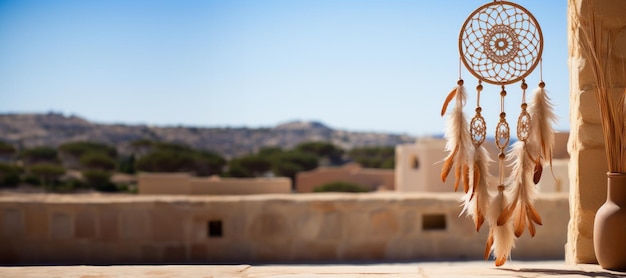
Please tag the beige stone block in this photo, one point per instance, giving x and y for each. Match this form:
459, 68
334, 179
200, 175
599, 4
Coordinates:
588, 110
383, 223
308, 226
332, 226
370, 250
323, 206
242, 251
592, 178
12, 223
312, 251
175, 254
167, 225
61, 226
151, 254
36, 223
410, 223
108, 225
591, 136
267, 252
198, 253
85, 224
135, 225
399, 249
270, 227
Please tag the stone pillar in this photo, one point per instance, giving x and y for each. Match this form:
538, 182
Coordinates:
588, 164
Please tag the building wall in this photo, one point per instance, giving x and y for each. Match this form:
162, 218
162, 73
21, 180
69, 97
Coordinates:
588, 164
373, 179
185, 184
122, 229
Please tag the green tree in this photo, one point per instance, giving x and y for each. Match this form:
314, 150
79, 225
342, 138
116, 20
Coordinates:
374, 157
7, 150
77, 149
39, 155
289, 163
324, 150
48, 173
97, 160
173, 158
9, 175
99, 180
126, 164
255, 165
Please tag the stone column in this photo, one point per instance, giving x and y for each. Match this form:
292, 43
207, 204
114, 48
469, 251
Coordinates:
588, 164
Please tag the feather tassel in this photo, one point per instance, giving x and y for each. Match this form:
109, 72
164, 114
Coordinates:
501, 238
523, 191
476, 201
541, 131
458, 139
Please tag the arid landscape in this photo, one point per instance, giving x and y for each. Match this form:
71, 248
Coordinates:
53, 129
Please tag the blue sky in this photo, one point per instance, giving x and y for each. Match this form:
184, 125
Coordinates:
359, 65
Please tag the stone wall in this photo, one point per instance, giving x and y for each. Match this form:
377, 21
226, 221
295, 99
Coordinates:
588, 164
123, 229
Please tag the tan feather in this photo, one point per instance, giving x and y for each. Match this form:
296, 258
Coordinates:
447, 165
466, 174
531, 228
476, 180
480, 220
447, 101
501, 260
507, 213
520, 221
538, 171
457, 175
533, 215
489, 244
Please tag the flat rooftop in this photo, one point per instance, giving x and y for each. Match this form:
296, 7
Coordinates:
425, 269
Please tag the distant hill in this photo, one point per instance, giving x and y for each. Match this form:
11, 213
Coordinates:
53, 129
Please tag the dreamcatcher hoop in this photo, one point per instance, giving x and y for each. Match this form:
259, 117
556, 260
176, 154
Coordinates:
501, 43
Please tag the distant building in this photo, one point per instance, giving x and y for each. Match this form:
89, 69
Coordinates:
185, 184
372, 179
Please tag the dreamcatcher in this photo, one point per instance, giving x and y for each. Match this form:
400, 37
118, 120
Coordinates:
500, 44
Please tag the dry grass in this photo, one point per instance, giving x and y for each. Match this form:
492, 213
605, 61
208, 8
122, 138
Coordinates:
597, 44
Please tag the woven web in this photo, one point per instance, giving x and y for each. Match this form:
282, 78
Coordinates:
501, 43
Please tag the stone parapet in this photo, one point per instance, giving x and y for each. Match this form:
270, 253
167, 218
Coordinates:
119, 229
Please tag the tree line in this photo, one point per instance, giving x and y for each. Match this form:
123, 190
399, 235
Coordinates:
96, 162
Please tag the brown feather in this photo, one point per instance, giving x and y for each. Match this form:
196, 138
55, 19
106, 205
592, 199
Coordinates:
457, 175
448, 99
538, 171
488, 245
447, 165
480, 219
531, 228
501, 260
476, 180
506, 213
520, 221
533, 215
466, 174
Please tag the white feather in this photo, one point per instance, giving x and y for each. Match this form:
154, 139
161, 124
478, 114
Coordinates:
541, 131
503, 237
476, 203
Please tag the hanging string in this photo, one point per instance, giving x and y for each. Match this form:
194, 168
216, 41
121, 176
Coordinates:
523, 121
502, 135
460, 68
